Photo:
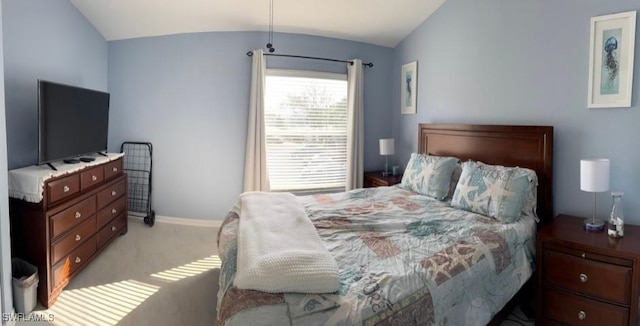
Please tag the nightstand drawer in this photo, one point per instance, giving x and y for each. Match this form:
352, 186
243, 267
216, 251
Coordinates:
371, 183
596, 279
570, 309
376, 179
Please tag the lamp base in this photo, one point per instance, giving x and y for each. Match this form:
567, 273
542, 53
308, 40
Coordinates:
594, 225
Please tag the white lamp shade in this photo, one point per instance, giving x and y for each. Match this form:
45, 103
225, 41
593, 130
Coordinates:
594, 175
387, 146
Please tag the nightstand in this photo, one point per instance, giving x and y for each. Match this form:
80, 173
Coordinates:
375, 179
586, 278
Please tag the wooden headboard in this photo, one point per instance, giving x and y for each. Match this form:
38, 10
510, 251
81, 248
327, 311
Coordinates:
524, 146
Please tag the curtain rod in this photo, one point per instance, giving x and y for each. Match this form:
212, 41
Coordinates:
368, 64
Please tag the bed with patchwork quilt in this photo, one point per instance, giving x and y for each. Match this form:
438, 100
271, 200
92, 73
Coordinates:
451, 245
404, 259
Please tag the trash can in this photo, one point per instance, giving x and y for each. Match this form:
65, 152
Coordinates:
24, 284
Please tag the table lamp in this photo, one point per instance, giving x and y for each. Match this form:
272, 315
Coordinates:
387, 147
594, 177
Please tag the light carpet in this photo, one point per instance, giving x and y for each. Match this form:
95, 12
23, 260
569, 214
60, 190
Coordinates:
161, 275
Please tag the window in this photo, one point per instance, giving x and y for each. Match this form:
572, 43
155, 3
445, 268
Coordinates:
306, 130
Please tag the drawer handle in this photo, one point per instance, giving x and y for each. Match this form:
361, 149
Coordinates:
78, 260
94, 178
582, 315
78, 215
115, 169
78, 237
113, 229
583, 255
113, 211
583, 278
65, 189
113, 193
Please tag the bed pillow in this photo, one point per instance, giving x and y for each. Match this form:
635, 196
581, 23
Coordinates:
530, 202
455, 176
429, 175
492, 190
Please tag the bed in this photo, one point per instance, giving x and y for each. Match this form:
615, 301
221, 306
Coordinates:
405, 258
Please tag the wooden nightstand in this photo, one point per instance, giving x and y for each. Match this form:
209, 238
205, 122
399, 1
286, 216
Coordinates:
375, 179
584, 277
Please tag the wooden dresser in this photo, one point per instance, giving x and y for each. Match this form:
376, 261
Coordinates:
79, 215
586, 278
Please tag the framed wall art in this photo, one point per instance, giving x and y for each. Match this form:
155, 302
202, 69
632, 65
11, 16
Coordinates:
611, 54
408, 92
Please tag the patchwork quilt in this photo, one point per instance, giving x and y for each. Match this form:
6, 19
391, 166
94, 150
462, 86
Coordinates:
404, 259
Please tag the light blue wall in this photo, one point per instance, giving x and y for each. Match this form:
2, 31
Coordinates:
189, 95
524, 62
51, 40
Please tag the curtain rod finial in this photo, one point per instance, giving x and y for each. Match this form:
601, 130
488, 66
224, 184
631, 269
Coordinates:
250, 53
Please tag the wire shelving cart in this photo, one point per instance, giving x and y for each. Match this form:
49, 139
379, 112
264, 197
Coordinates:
137, 165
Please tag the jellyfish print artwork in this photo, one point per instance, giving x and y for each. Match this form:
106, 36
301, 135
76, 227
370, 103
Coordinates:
407, 101
408, 90
610, 62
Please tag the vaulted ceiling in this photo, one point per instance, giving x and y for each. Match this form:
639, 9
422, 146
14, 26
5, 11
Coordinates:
380, 22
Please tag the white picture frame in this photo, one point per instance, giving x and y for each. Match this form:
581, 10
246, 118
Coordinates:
611, 56
408, 89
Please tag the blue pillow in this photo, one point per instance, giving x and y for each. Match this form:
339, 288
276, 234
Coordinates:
429, 175
492, 190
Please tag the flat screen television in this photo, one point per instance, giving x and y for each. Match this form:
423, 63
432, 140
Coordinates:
72, 121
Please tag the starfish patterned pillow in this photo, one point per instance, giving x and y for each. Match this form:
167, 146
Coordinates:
429, 175
530, 201
492, 190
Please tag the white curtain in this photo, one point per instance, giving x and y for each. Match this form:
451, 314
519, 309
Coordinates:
255, 160
355, 125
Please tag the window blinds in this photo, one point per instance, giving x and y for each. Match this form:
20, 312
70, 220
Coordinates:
306, 130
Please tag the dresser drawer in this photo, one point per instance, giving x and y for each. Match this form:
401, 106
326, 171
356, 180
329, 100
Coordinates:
71, 216
91, 177
570, 309
62, 188
373, 183
111, 210
111, 193
111, 229
73, 261
73, 239
597, 279
113, 168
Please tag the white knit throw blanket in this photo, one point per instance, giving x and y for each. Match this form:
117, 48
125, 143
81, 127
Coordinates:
279, 249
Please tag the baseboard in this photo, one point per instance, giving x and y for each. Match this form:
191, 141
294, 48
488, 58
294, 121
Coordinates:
183, 221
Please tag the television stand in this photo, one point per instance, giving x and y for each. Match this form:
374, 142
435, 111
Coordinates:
101, 153
52, 167
71, 161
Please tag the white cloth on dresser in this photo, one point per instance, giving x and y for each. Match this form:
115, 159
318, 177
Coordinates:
279, 249
27, 183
